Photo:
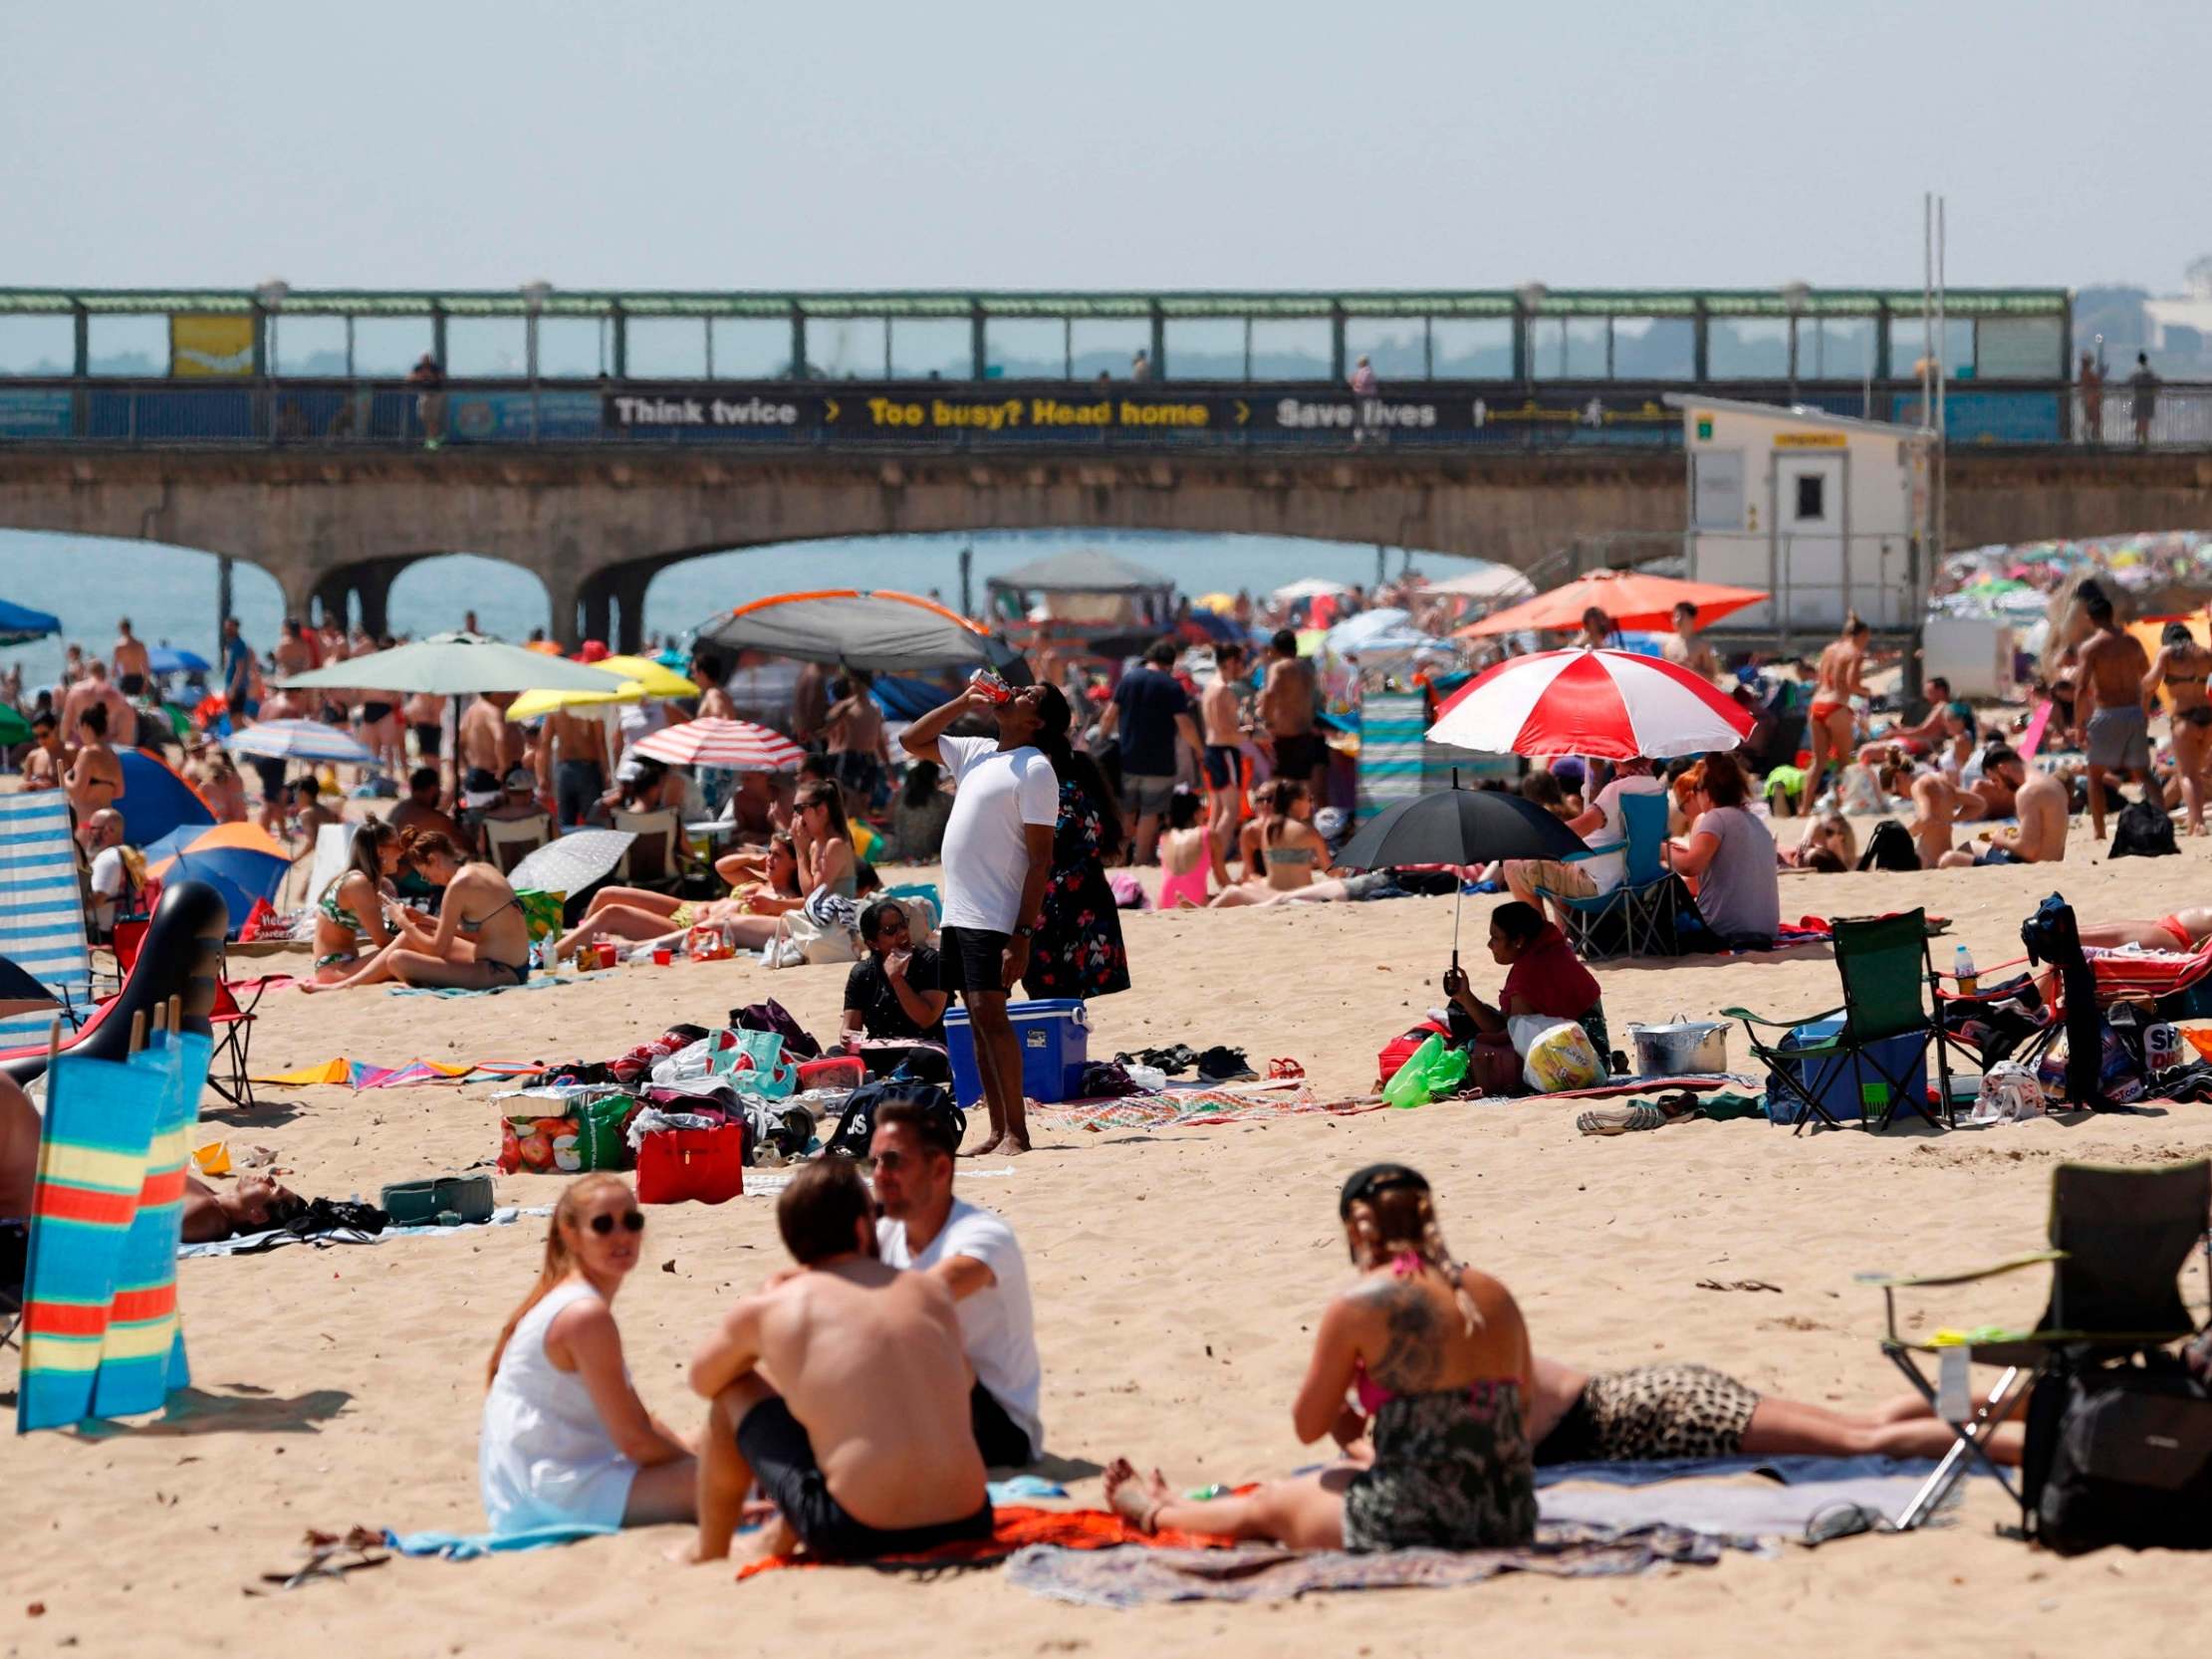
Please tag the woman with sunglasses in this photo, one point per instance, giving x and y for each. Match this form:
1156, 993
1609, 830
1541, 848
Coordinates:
1439, 1359
566, 1440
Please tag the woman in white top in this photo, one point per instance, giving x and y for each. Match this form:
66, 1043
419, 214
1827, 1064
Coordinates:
566, 1440
1603, 826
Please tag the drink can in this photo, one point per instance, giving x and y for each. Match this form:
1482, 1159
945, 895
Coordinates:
607, 953
991, 686
663, 956
2161, 1046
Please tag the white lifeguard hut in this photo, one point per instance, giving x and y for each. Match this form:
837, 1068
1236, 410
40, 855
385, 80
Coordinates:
1826, 513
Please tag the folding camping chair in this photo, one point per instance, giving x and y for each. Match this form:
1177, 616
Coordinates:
1643, 900
230, 1068
2120, 1242
509, 840
1885, 963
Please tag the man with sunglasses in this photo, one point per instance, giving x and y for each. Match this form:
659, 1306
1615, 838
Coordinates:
975, 1255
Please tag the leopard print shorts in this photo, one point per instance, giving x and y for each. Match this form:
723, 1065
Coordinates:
1668, 1411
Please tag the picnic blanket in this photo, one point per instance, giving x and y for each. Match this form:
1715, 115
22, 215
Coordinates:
360, 1073
1700, 1494
1143, 1578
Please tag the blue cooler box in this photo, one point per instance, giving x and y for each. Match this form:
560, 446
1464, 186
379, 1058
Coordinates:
1055, 1039
1845, 1083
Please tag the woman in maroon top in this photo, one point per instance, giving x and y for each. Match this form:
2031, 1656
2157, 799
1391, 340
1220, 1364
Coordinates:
1544, 977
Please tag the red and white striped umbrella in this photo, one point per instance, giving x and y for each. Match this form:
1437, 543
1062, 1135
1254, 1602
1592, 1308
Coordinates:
1609, 704
734, 745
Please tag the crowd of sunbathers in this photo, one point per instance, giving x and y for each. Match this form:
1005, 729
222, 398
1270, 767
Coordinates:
856, 1401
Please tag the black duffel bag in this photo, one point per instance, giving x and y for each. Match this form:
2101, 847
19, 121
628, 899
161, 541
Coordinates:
2121, 1455
856, 1126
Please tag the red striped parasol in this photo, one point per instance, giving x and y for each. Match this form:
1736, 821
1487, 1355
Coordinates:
1611, 704
733, 744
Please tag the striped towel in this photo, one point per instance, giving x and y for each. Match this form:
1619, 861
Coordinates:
42, 909
93, 1156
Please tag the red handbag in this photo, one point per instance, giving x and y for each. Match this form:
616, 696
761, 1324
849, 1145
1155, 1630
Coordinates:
705, 1166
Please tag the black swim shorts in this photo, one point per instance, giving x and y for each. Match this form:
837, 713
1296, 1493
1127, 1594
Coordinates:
971, 959
1297, 756
775, 1444
1222, 768
1003, 1442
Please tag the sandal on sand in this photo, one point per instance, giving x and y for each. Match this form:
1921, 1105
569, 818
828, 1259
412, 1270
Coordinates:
1620, 1120
1285, 1068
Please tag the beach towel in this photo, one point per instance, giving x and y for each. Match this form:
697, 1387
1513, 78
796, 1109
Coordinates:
93, 1147
360, 1073
42, 910
1015, 1528
254, 1244
1144, 1578
1257, 1102
535, 984
1701, 1494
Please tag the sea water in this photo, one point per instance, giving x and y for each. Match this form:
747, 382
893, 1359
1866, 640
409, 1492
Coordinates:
169, 593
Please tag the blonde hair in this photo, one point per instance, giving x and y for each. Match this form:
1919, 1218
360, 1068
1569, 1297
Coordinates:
1397, 1228
559, 1261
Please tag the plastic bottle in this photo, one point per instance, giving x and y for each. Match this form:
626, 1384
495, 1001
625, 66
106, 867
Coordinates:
1962, 967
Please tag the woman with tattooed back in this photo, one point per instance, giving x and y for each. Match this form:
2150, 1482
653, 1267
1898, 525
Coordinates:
1437, 1359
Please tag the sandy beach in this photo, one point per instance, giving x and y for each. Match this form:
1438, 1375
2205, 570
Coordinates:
1176, 1275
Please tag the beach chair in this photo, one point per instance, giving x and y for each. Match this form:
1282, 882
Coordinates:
230, 1021
1643, 906
42, 912
653, 859
509, 840
2119, 1241
1886, 1033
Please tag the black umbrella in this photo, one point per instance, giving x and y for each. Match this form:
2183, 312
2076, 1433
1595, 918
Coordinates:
1460, 826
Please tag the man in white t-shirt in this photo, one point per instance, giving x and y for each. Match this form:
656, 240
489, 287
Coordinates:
1604, 828
110, 876
998, 854
976, 1257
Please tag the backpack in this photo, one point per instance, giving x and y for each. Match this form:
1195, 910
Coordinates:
771, 1015
2142, 831
1889, 845
857, 1127
2122, 1455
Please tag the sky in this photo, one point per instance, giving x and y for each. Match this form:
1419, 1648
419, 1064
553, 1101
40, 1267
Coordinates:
1131, 146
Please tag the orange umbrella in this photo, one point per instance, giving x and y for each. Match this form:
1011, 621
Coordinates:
1630, 598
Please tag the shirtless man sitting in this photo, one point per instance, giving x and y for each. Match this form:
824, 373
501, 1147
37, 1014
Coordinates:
1926, 736
94, 778
864, 1439
2039, 800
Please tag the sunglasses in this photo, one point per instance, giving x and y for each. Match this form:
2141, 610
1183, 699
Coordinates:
633, 1221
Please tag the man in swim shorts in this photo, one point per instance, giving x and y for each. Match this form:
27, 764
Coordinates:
2115, 726
1221, 710
867, 1448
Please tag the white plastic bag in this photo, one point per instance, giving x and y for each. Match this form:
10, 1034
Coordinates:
1558, 1055
2009, 1093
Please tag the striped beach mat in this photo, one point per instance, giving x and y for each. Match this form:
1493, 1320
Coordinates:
1393, 731
141, 1355
93, 1156
42, 910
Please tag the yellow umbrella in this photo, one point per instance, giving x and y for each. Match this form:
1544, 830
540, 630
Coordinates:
1219, 603
632, 679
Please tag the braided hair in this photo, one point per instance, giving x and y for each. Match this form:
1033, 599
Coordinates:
1392, 1222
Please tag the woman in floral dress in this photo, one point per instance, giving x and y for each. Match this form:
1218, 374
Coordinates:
1078, 950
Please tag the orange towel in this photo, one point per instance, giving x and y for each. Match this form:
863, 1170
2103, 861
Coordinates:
1015, 1527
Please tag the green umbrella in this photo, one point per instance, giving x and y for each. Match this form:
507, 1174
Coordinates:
13, 727
450, 664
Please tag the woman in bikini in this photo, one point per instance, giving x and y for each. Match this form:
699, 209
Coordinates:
1185, 853
1283, 852
1830, 722
2182, 931
2181, 666
1440, 1360
642, 917
1671, 1411
482, 942
353, 907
